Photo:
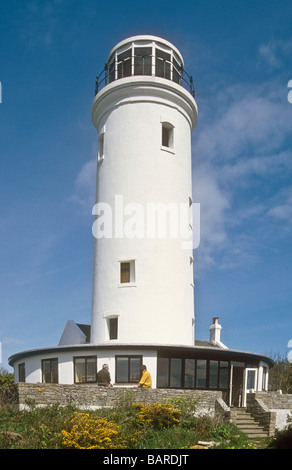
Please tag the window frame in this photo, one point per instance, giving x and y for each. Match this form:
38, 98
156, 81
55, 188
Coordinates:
161, 57
51, 372
221, 376
86, 369
128, 357
132, 272
21, 372
100, 146
167, 127
113, 328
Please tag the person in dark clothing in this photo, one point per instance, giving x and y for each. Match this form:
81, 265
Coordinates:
103, 377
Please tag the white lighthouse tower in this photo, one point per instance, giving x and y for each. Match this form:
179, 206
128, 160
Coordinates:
143, 292
142, 275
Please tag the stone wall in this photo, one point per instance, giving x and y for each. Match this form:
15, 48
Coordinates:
86, 396
270, 409
261, 413
275, 400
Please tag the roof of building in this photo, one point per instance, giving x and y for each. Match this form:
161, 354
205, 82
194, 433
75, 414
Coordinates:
202, 350
207, 344
85, 329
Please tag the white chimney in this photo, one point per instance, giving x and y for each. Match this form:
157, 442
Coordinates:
215, 333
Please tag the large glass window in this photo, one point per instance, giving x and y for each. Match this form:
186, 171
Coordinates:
111, 72
21, 372
213, 374
142, 61
201, 379
50, 371
145, 59
175, 373
125, 64
190, 369
128, 369
85, 369
162, 63
264, 380
192, 373
162, 372
223, 374
251, 379
176, 71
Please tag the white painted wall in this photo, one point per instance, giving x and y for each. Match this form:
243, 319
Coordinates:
159, 308
33, 368
282, 418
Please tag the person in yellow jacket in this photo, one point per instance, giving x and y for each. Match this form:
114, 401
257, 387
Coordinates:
145, 381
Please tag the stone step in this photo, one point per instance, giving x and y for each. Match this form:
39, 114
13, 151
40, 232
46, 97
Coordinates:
249, 428
246, 419
253, 432
247, 424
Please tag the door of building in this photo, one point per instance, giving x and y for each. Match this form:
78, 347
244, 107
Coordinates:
250, 382
236, 385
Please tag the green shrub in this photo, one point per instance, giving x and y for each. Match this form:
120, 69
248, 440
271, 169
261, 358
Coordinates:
283, 439
187, 405
6, 378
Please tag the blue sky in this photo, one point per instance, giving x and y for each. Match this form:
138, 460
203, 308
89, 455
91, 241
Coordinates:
239, 54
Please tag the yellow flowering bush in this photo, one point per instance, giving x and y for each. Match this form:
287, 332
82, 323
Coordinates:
158, 415
90, 432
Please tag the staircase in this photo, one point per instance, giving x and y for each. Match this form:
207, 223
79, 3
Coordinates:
246, 423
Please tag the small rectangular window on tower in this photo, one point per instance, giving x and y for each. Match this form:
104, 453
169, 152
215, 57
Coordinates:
167, 136
113, 328
127, 272
100, 155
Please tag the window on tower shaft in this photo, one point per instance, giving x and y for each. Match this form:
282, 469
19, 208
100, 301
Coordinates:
127, 272
113, 328
100, 155
167, 135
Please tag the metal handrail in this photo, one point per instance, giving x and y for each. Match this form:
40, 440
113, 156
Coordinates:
105, 76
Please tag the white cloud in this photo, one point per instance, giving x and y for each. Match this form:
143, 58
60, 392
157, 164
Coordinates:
267, 51
85, 185
282, 209
213, 206
240, 146
283, 212
39, 23
275, 51
264, 165
250, 122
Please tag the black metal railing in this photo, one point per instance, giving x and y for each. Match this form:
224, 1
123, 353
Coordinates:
141, 66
